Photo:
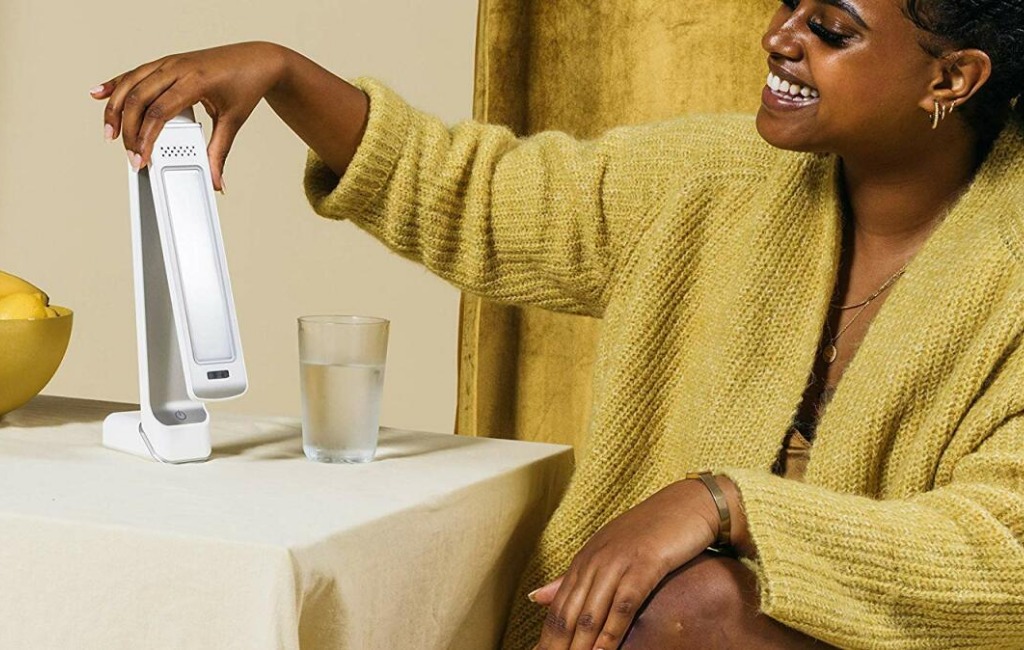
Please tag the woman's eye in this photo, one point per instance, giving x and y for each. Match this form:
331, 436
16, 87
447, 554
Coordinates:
827, 35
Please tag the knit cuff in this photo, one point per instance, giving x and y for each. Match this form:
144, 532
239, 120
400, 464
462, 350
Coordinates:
373, 164
793, 527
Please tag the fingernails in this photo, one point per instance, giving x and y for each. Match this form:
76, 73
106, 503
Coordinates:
108, 132
223, 187
135, 160
532, 596
97, 90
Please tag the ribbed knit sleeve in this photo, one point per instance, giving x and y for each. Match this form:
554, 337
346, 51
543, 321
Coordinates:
543, 220
941, 569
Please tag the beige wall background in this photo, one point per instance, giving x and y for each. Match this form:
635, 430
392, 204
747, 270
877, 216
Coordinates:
64, 204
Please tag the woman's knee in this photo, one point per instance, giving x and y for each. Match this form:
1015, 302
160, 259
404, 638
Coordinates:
711, 603
694, 606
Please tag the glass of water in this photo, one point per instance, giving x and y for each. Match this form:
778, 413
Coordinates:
342, 363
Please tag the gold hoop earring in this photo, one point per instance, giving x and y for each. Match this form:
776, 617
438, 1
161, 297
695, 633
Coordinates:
937, 114
941, 112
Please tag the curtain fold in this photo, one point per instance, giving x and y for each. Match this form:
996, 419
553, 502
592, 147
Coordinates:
582, 68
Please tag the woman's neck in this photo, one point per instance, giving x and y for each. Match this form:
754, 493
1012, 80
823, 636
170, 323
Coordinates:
894, 199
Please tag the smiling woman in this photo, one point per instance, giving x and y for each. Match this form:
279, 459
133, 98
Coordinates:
810, 352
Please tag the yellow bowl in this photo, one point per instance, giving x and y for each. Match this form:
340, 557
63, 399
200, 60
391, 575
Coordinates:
30, 353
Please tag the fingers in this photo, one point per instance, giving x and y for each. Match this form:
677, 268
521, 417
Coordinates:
624, 605
561, 625
102, 90
147, 107
562, 618
593, 610
546, 594
558, 630
225, 128
117, 89
594, 613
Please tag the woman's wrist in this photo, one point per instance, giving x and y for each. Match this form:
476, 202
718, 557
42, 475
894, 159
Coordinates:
325, 111
739, 533
739, 538
284, 61
720, 520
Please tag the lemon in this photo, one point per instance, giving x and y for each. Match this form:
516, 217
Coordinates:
51, 312
19, 306
13, 284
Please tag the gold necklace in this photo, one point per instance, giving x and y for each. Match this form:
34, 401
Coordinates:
885, 285
829, 352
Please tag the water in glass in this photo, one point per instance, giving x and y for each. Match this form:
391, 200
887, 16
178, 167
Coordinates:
341, 413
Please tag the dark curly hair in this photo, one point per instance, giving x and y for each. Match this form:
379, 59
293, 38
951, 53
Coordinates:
995, 27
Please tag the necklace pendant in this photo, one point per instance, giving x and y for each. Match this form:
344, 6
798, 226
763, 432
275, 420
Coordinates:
830, 353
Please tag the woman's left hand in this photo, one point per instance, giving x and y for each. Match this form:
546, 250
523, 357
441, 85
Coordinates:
592, 605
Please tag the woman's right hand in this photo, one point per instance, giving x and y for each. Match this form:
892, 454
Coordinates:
229, 81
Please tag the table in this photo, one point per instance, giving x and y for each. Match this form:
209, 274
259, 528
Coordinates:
258, 547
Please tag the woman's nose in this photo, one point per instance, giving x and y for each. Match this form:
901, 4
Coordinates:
781, 39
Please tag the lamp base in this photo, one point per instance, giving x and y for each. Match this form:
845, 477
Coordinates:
174, 444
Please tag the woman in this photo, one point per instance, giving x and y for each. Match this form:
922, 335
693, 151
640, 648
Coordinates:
737, 266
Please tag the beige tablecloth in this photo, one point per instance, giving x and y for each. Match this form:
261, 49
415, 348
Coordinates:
259, 548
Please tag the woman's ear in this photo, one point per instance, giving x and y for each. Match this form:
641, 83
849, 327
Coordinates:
958, 76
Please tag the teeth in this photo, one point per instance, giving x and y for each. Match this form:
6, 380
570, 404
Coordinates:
782, 87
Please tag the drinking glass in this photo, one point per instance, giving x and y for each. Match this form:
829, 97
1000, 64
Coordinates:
342, 375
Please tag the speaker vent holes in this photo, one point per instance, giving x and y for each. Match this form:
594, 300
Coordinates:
178, 151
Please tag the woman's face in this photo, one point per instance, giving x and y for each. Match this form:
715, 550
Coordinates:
861, 75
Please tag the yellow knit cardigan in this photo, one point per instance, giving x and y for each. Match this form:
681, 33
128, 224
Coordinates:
711, 259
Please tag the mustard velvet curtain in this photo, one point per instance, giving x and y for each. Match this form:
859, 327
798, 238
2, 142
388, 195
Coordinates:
582, 68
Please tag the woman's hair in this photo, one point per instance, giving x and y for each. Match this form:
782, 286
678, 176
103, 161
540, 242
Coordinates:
995, 27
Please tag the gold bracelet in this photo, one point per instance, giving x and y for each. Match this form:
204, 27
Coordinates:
724, 519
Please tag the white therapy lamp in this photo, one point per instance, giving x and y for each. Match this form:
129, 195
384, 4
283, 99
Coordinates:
187, 331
